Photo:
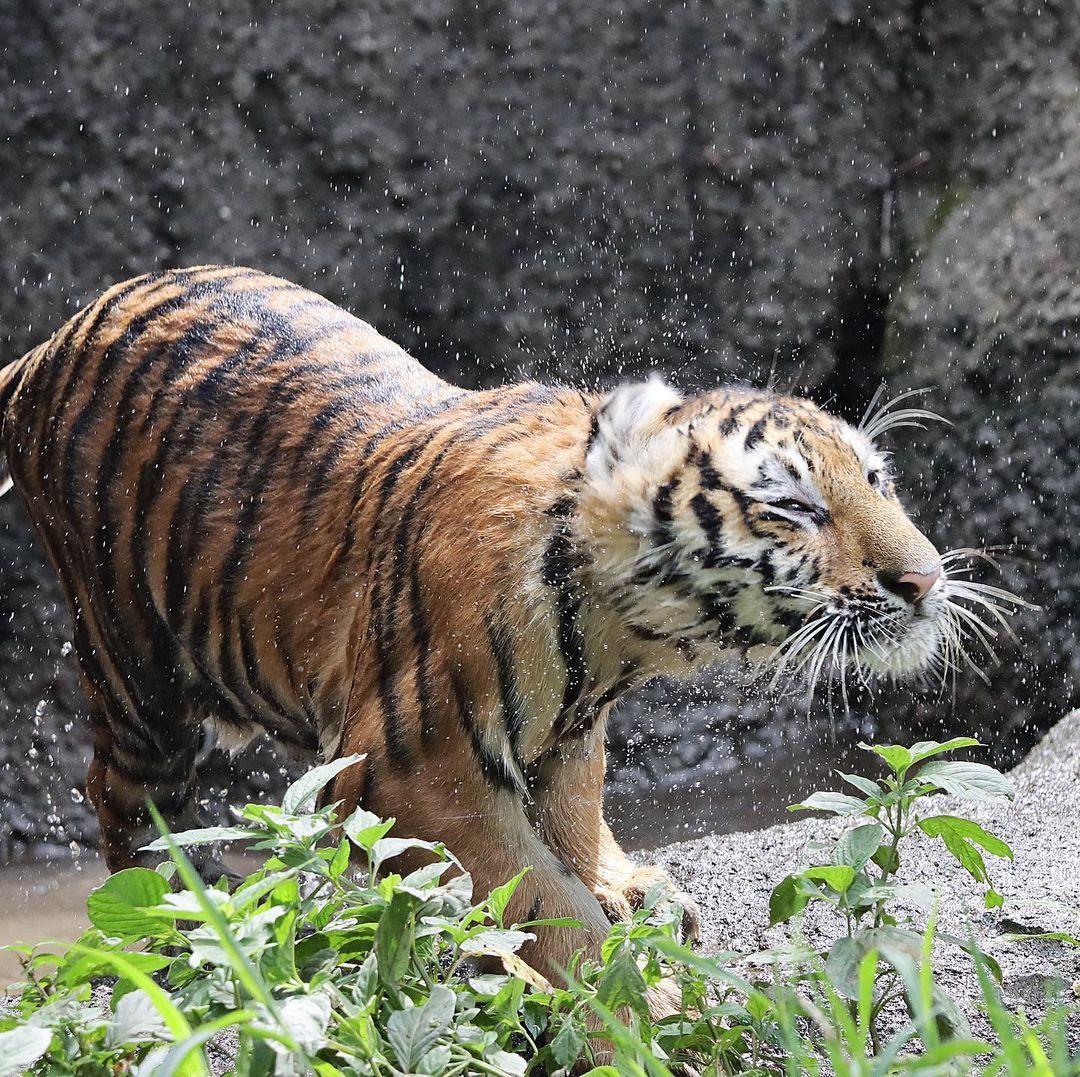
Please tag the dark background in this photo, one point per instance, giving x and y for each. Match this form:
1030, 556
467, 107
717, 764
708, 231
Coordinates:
817, 195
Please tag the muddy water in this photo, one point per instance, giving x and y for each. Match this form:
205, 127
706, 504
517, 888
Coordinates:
43, 901
46, 900
751, 794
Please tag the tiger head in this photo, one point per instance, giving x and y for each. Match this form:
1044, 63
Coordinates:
746, 521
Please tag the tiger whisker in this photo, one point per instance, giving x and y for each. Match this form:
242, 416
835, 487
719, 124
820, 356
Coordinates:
889, 417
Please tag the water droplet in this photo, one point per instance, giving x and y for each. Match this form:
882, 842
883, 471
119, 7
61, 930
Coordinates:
76, 796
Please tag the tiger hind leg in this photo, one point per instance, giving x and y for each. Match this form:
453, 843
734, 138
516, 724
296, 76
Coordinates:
130, 770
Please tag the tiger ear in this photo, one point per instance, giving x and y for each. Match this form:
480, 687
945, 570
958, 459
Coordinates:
627, 420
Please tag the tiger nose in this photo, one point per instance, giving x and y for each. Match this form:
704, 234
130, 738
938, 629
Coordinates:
912, 587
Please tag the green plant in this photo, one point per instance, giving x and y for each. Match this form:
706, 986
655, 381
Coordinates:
859, 880
313, 967
326, 961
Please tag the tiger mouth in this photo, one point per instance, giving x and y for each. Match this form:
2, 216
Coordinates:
842, 642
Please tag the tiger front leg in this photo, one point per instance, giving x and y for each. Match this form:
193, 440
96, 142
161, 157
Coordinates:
567, 811
444, 797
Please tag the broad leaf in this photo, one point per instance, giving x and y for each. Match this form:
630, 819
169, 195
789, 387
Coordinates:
205, 835
950, 1019
837, 877
918, 894
969, 781
924, 749
21, 1048
495, 942
622, 984
896, 756
898, 947
435, 1061
937, 825
414, 1032
303, 791
306, 1018
365, 829
961, 836
506, 1063
568, 1043
523, 971
121, 906
501, 895
887, 858
388, 848
864, 785
857, 846
786, 901
394, 938
136, 1020
840, 803
844, 961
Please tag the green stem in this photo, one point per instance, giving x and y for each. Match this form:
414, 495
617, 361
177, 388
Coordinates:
895, 826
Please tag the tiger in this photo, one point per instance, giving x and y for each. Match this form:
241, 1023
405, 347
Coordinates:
268, 518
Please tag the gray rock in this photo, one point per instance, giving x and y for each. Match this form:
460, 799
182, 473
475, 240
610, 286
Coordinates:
731, 877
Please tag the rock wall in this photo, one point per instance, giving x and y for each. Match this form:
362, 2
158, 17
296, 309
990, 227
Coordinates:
812, 195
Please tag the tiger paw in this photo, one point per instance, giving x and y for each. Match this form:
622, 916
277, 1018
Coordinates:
642, 880
614, 903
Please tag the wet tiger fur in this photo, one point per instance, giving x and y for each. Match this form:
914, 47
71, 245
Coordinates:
267, 516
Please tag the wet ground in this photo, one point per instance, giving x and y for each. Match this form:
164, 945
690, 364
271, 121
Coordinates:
749, 793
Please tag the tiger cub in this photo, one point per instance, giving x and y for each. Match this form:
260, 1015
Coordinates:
268, 517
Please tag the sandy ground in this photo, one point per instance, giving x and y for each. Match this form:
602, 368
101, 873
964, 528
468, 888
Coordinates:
42, 901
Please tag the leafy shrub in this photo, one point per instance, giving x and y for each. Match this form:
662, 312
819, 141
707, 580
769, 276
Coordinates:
325, 960
859, 879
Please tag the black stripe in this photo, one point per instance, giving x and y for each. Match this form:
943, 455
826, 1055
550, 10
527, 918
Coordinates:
385, 590
367, 781
513, 715
422, 637
259, 687
708, 517
164, 644
492, 766
489, 416
113, 355
360, 478
710, 477
663, 533
61, 369
226, 580
560, 565
756, 432
730, 423
383, 598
